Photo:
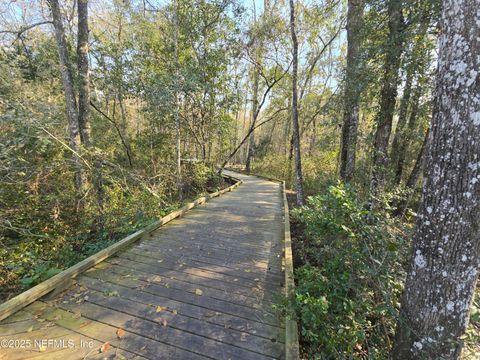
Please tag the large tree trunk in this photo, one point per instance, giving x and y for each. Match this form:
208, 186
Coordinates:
83, 72
295, 127
352, 90
446, 245
394, 49
69, 92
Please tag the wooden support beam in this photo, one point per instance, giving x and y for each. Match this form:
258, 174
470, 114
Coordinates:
292, 351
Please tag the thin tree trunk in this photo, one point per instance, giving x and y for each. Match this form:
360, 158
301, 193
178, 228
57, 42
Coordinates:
394, 49
446, 244
398, 137
251, 142
295, 126
83, 73
69, 92
177, 117
352, 90
402, 205
414, 175
407, 135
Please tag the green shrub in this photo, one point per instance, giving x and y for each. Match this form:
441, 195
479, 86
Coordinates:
349, 286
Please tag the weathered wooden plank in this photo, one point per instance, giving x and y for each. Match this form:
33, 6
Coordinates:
175, 246
206, 250
254, 291
160, 329
179, 321
260, 245
240, 269
142, 345
18, 316
148, 296
209, 303
189, 267
137, 279
19, 327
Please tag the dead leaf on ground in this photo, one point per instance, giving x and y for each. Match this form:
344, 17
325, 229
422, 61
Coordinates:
164, 322
199, 292
105, 347
120, 333
155, 278
159, 308
174, 312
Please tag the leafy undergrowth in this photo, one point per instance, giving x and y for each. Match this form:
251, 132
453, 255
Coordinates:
45, 233
349, 277
349, 270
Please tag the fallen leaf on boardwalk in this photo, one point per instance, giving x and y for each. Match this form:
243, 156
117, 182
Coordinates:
30, 329
105, 347
164, 322
120, 357
42, 348
159, 261
42, 320
247, 270
159, 308
174, 312
209, 314
198, 292
155, 278
235, 279
120, 333
111, 293
256, 279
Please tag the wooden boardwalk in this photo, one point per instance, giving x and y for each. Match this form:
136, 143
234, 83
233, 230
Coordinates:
200, 287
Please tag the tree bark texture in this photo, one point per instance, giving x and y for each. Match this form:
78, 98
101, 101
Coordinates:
83, 73
407, 134
251, 139
402, 121
353, 88
394, 49
295, 126
69, 91
446, 244
414, 175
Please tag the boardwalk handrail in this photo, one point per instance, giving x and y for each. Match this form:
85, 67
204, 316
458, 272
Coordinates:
22, 300
292, 351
